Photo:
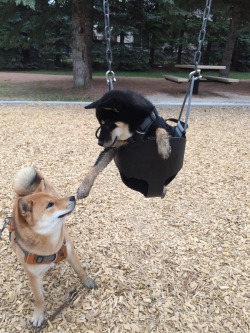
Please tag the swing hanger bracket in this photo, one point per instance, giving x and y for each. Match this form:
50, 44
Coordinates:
196, 74
110, 77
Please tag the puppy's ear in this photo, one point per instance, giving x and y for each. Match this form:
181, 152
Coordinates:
109, 105
41, 187
92, 105
25, 207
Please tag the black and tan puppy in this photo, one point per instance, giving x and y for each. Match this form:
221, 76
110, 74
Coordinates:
124, 116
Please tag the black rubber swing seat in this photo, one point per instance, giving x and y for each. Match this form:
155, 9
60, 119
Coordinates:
144, 170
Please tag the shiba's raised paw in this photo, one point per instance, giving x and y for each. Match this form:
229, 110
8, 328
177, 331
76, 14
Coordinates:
89, 283
163, 143
37, 319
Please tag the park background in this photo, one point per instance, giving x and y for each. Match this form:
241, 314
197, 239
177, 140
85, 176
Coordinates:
145, 35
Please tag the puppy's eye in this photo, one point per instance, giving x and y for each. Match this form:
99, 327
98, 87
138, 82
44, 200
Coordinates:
50, 204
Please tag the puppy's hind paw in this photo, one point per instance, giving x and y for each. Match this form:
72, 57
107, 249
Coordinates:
164, 192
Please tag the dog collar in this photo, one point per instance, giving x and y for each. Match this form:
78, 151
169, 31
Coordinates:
144, 127
36, 259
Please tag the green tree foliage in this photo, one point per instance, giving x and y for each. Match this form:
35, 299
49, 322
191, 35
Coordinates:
38, 33
33, 38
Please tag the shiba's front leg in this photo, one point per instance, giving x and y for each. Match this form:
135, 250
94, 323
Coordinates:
74, 261
103, 160
163, 143
36, 284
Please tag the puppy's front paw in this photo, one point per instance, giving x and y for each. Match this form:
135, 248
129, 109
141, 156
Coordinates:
163, 143
84, 189
165, 151
82, 192
89, 283
37, 318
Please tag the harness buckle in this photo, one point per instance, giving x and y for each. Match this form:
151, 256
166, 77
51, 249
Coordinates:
39, 259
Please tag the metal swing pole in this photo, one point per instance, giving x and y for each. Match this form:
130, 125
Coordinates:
194, 76
110, 75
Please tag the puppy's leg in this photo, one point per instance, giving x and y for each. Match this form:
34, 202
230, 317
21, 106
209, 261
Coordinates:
74, 261
103, 160
163, 143
36, 284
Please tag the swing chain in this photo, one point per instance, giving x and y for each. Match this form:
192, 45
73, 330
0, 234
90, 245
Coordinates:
202, 34
195, 75
110, 75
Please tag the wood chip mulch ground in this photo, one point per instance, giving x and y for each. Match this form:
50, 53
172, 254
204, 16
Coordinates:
181, 264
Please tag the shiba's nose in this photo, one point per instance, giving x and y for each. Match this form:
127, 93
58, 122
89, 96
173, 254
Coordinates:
72, 198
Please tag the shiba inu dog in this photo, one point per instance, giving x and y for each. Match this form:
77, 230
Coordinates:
124, 116
38, 234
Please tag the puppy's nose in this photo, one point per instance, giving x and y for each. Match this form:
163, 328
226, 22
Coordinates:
72, 198
100, 142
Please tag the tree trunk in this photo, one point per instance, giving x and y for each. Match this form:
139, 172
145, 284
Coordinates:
122, 37
82, 40
229, 48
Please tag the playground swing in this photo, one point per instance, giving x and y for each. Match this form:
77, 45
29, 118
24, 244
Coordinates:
140, 166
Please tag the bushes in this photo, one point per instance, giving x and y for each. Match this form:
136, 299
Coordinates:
125, 57
130, 58
241, 60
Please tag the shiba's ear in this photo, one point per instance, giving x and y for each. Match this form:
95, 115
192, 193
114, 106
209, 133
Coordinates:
41, 187
25, 207
92, 105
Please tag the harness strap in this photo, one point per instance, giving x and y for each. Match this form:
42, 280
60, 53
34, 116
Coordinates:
32, 258
144, 127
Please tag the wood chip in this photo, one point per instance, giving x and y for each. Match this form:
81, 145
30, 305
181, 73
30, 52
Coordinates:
180, 264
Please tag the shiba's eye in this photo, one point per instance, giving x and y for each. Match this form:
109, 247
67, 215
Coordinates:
50, 204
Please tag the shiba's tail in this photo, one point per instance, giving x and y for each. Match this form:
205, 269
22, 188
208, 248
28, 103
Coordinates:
26, 180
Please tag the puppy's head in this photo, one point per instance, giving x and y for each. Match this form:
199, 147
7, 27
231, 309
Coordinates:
42, 212
119, 112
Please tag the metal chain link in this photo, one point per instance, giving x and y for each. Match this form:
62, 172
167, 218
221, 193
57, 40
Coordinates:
110, 75
196, 74
202, 34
